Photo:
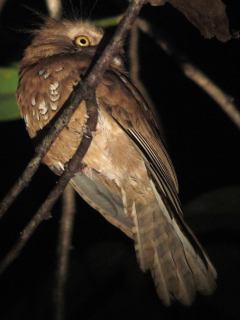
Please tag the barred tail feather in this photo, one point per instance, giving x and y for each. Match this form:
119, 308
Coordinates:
161, 284
179, 269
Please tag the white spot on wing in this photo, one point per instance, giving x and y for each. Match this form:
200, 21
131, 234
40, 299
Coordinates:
41, 72
58, 69
54, 92
26, 120
33, 101
53, 106
54, 98
54, 85
46, 75
43, 107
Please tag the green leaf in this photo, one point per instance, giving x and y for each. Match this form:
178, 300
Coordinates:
8, 107
108, 21
8, 85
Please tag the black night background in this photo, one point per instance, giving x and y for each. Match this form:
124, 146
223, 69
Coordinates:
105, 281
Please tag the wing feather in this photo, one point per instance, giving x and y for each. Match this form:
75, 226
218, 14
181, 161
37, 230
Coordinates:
189, 263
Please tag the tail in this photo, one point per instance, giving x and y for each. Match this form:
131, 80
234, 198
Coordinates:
167, 247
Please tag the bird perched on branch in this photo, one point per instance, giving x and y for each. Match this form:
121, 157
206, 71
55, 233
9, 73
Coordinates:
127, 174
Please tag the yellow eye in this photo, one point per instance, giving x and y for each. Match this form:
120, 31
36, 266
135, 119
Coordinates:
82, 41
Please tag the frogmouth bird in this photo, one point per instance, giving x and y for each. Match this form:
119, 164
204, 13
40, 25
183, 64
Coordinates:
127, 175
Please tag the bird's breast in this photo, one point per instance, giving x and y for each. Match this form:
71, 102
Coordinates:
111, 153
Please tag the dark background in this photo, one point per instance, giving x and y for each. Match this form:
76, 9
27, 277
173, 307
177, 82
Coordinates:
104, 279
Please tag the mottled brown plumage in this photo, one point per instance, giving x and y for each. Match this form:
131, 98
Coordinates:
128, 176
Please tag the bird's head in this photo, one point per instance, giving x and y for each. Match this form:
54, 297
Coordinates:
62, 37
65, 37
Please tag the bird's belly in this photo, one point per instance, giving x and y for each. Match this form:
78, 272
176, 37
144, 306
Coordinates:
112, 153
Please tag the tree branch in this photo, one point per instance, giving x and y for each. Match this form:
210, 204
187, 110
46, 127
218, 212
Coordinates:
79, 93
133, 53
64, 244
194, 73
54, 8
73, 166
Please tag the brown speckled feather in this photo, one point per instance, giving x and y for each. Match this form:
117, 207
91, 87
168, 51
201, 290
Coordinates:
128, 175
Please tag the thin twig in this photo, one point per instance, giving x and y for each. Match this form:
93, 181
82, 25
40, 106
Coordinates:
217, 94
79, 93
74, 164
54, 8
67, 218
64, 244
133, 53
194, 73
116, 43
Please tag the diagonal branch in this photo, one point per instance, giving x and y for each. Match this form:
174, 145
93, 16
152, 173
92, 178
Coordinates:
80, 92
64, 245
194, 73
73, 166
